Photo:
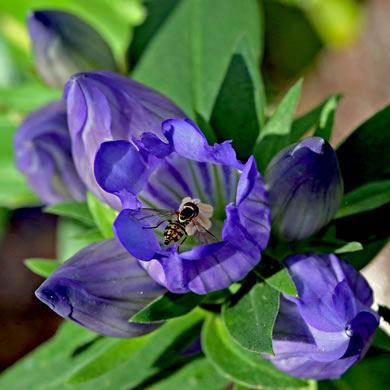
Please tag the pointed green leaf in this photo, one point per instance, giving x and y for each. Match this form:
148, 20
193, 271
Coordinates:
75, 210
325, 123
103, 215
42, 267
276, 133
240, 365
125, 365
353, 246
167, 306
304, 123
190, 70
198, 374
364, 198
250, 317
276, 275
381, 340
238, 109
365, 155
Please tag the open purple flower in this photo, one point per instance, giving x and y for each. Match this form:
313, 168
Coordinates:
104, 106
330, 326
232, 223
43, 153
305, 188
100, 288
63, 45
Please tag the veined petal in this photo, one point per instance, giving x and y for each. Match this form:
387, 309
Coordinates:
121, 170
63, 44
100, 288
305, 188
105, 106
328, 328
43, 154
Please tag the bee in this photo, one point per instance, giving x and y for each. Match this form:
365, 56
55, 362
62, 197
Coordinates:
192, 218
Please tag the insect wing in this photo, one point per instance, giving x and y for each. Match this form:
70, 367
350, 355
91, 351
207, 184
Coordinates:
152, 217
202, 235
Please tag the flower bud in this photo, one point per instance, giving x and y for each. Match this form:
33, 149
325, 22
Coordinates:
100, 288
330, 326
105, 106
63, 45
43, 153
305, 188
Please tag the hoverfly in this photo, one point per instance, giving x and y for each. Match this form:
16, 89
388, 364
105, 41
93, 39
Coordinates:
192, 219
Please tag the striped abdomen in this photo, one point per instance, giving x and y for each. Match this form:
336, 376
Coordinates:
174, 232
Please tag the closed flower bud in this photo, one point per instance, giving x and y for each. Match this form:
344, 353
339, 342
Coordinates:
104, 106
43, 153
305, 188
63, 45
101, 288
330, 326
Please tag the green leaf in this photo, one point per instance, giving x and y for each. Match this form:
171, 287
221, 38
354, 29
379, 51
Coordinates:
238, 109
114, 355
157, 14
325, 123
364, 198
27, 97
240, 365
276, 275
198, 374
353, 246
365, 155
167, 306
123, 367
67, 245
103, 215
42, 267
240, 387
276, 133
369, 373
195, 65
304, 123
89, 235
381, 340
75, 210
250, 317
14, 190
47, 366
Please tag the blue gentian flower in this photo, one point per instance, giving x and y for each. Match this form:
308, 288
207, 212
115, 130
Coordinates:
305, 188
63, 45
43, 153
105, 106
100, 288
330, 326
233, 223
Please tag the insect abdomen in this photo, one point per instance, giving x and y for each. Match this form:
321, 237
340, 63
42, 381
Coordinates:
173, 232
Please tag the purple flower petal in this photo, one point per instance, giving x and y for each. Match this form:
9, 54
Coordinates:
140, 242
121, 170
188, 141
327, 329
43, 154
104, 106
305, 188
100, 288
63, 44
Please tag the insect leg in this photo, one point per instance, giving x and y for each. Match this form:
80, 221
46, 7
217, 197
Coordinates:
185, 237
155, 227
